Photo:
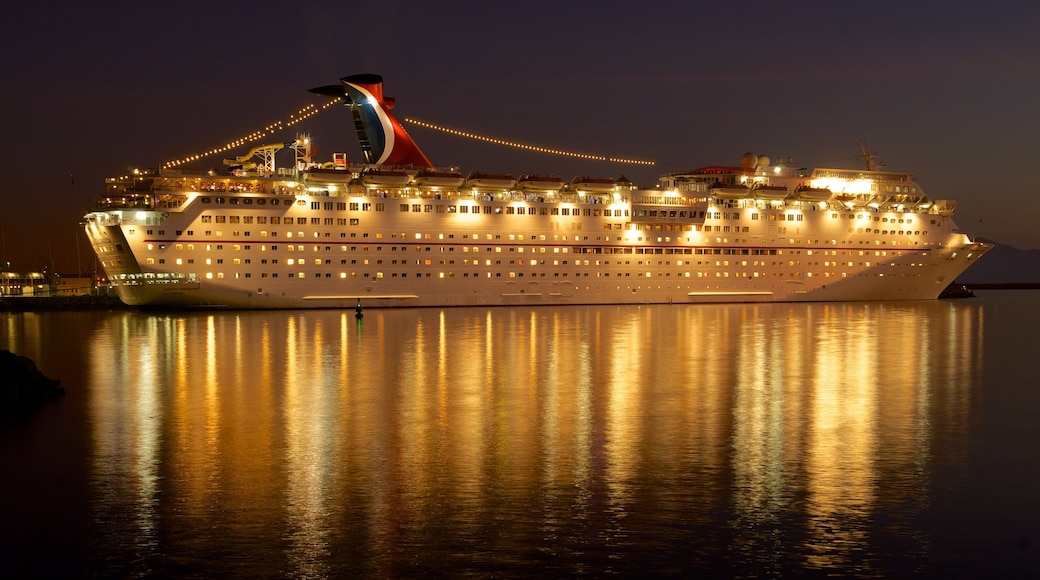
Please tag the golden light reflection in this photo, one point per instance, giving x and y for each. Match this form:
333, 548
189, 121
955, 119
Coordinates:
622, 426
767, 413
843, 434
416, 422
312, 443
133, 446
212, 403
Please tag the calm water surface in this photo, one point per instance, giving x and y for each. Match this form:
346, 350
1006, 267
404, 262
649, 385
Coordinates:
863, 439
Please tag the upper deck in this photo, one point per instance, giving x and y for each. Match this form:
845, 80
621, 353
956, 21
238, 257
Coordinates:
891, 191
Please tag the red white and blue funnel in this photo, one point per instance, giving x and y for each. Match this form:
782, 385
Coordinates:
383, 140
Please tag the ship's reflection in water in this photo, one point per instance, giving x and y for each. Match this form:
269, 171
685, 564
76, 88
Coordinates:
666, 439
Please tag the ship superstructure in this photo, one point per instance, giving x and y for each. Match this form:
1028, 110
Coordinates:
397, 231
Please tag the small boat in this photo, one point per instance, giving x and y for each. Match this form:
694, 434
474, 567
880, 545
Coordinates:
490, 181
813, 193
384, 178
540, 183
328, 174
730, 191
770, 192
432, 179
584, 184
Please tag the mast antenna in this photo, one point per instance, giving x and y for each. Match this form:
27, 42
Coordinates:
869, 158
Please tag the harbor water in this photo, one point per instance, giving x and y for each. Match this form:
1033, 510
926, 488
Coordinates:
865, 439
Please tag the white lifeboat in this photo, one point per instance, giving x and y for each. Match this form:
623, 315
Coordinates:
593, 184
813, 193
384, 178
540, 183
490, 181
429, 178
770, 192
729, 191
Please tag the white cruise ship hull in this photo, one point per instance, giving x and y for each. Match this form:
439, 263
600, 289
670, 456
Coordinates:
513, 250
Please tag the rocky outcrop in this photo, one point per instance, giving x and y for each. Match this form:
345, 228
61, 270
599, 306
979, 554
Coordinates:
22, 385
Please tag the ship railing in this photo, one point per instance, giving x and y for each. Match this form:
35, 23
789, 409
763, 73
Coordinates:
169, 201
558, 197
488, 196
126, 201
117, 215
975, 240
138, 201
197, 173
150, 276
230, 186
129, 185
101, 218
943, 207
853, 174
658, 200
661, 216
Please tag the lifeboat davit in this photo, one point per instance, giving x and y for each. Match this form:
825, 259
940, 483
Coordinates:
384, 178
490, 181
593, 184
729, 191
540, 183
429, 178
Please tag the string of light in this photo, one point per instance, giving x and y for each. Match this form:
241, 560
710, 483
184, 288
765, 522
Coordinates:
311, 110
271, 129
516, 145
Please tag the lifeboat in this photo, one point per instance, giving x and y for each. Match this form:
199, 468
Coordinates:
490, 181
540, 183
593, 184
729, 191
384, 178
429, 178
770, 192
813, 193
328, 175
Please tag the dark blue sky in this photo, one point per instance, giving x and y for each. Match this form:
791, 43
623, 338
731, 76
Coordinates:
949, 90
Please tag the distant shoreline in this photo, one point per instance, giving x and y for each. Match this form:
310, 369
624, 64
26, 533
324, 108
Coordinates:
47, 303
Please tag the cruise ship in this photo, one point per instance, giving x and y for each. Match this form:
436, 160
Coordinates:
396, 231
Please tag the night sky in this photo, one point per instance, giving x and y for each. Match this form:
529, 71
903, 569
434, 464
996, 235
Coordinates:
948, 90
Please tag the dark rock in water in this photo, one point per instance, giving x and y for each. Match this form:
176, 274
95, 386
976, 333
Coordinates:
22, 385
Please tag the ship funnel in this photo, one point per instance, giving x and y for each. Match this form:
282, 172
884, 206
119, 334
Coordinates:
383, 140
